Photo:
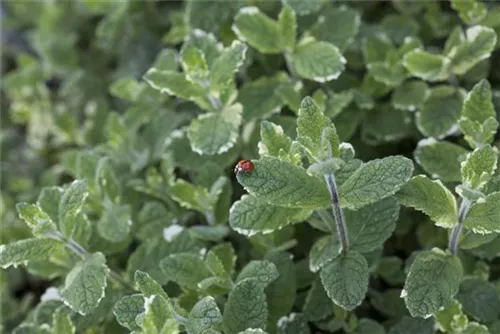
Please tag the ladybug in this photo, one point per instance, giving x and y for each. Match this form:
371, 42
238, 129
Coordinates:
245, 166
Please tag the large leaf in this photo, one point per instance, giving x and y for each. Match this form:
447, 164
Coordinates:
318, 61
256, 28
21, 251
480, 42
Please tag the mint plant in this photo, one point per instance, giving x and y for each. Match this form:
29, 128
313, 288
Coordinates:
250, 167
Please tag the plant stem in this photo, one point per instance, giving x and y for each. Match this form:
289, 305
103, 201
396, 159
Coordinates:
457, 230
338, 212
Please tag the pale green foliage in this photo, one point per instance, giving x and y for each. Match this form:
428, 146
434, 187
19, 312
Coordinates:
346, 280
318, 61
61, 322
25, 250
479, 166
84, 286
432, 282
427, 66
484, 216
257, 29
432, 198
287, 28
204, 316
127, 309
470, 11
264, 272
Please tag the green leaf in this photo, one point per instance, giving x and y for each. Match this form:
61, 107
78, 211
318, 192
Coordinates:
191, 196
470, 11
185, 269
479, 166
250, 216
432, 282
115, 223
479, 299
206, 43
478, 105
411, 95
167, 60
263, 272
85, 283
193, 63
148, 286
287, 28
107, 181
273, 140
260, 98
480, 42
370, 226
311, 130
318, 306
369, 326
477, 134
337, 25
295, 323
427, 66
226, 64
156, 316
258, 29
48, 201
324, 250
304, 7
246, 307
413, 325
318, 61
127, 309
484, 216
283, 184
61, 322
432, 198
440, 113
36, 218
375, 180
70, 205
215, 132
281, 292
388, 74
204, 316
475, 328
375, 48
346, 280
18, 252
440, 159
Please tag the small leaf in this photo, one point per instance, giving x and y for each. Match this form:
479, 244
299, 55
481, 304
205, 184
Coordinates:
440, 159
427, 66
413, 325
337, 25
263, 272
477, 104
206, 43
193, 63
479, 44
283, 184
432, 198
246, 307
70, 205
204, 316
304, 7
369, 326
287, 28
185, 269
115, 223
323, 251
156, 316
215, 132
346, 280
260, 98
318, 61
36, 218
249, 216
61, 322
256, 28
85, 284
18, 252
484, 216
148, 286
48, 201
411, 95
273, 139
479, 166
375, 180
295, 323
127, 309
432, 282
191, 196
470, 11
318, 306
224, 67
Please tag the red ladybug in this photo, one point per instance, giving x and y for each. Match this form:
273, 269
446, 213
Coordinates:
245, 166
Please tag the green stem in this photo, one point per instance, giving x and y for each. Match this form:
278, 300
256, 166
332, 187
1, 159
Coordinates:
457, 230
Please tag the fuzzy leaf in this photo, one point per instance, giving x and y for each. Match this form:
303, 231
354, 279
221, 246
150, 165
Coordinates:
70, 205
281, 292
426, 66
480, 42
432, 198
224, 67
318, 306
36, 218
260, 98
479, 299
479, 166
318, 61
215, 132
148, 286
283, 184
287, 28
484, 216
273, 140
411, 95
127, 309
48, 201
191, 196
432, 282
375, 180
263, 272
249, 216
115, 223
478, 105
61, 322
440, 159
258, 29
185, 269
85, 284
193, 63
204, 316
470, 11
346, 280
246, 307
18, 252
